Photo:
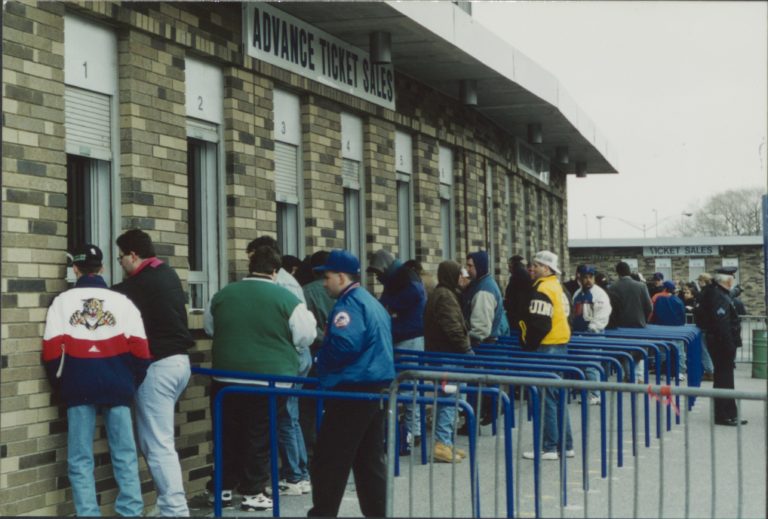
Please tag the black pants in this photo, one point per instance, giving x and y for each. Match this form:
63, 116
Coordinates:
245, 449
725, 408
350, 438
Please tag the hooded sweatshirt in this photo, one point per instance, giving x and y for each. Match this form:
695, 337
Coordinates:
404, 296
483, 304
445, 329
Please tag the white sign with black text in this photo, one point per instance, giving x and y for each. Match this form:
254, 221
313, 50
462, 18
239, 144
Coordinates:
276, 37
682, 250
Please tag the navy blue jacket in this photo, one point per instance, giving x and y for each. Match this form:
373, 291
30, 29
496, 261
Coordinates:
404, 298
357, 348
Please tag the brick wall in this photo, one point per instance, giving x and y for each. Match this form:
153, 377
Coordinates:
151, 172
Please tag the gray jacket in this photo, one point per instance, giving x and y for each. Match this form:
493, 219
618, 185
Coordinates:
630, 302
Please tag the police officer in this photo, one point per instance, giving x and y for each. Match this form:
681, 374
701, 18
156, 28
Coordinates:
356, 356
717, 317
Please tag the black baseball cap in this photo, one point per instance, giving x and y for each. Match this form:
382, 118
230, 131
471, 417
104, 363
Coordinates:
88, 255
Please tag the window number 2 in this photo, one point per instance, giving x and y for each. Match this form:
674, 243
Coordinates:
200, 103
85, 69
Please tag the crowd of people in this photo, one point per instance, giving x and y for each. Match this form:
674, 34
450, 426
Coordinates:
109, 349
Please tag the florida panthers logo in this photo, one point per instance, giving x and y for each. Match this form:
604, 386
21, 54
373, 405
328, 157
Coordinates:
92, 315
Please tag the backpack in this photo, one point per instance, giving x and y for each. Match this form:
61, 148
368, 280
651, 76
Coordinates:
669, 311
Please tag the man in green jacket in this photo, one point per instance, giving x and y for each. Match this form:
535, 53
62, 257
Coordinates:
258, 327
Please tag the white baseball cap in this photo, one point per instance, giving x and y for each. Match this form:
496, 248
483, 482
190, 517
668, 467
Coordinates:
547, 258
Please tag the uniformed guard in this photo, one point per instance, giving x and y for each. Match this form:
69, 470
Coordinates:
356, 356
718, 319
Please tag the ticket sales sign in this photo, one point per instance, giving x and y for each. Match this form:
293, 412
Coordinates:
276, 37
682, 250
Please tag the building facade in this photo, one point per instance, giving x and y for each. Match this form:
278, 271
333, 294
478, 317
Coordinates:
681, 259
208, 125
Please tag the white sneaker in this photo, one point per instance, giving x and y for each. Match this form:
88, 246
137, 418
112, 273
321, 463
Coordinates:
682, 377
289, 489
306, 486
594, 400
554, 455
257, 503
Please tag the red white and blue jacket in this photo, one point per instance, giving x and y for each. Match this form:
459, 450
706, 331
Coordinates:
95, 350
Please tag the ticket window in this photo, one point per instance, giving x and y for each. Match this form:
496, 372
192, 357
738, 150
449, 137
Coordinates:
90, 105
353, 185
288, 173
447, 227
404, 170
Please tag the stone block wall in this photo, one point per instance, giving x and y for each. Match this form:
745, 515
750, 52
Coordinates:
150, 173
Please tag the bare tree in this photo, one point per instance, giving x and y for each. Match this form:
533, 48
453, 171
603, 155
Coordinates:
736, 212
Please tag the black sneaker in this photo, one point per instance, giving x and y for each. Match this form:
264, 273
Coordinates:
205, 500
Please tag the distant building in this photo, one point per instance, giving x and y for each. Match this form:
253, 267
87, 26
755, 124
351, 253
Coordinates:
680, 259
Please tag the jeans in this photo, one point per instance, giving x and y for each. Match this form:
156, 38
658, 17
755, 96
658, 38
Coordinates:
446, 417
593, 375
706, 358
81, 422
552, 426
412, 412
155, 400
293, 450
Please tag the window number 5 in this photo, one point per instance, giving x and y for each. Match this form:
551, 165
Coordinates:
200, 103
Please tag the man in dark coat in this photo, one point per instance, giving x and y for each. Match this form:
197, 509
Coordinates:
517, 294
718, 318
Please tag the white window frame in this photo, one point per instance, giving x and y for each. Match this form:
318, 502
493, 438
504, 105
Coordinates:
696, 267
208, 277
633, 264
90, 73
352, 154
663, 265
404, 186
489, 217
447, 224
532, 162
289, 198
732, 262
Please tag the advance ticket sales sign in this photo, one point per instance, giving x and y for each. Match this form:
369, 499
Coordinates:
287, 42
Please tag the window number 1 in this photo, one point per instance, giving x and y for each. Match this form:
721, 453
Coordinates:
85, 69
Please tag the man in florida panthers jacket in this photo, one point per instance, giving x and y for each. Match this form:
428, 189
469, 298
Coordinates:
96, 355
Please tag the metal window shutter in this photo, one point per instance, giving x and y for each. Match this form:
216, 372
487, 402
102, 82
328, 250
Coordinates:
286, 176
87, 123
350, 174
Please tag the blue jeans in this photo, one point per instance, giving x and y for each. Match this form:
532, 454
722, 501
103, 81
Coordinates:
412, 412
81, 422
593, 375
155, 400
552, 425
446, 417
293, 450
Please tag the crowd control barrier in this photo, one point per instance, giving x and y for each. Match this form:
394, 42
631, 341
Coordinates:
702, 471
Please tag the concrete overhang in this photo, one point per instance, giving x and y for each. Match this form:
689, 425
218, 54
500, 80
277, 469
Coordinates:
439, 45
682, 241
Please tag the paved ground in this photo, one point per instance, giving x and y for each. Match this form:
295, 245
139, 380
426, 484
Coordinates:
443, 490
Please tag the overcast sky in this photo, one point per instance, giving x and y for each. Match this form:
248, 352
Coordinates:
678, 89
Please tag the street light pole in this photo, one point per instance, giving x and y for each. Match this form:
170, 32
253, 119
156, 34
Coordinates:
586, 226
656, 219
600, 224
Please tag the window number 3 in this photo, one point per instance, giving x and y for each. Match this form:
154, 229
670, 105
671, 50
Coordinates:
200, 103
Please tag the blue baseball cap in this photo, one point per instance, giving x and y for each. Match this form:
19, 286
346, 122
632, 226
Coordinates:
340, 260
669, 286
586, 269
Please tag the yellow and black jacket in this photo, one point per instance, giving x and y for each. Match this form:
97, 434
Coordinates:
546, 323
